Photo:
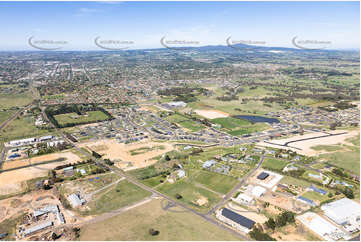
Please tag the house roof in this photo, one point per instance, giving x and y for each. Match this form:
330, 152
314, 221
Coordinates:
241, 220
319, 190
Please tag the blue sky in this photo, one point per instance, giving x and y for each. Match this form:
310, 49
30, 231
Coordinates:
209, 23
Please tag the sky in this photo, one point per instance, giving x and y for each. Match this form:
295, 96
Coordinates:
139, 25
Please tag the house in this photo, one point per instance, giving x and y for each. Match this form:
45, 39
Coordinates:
290, 168
244, 199
318, 190
13, 156
181, 173
258, 191
209, 163
68, 171
46, 138
306, 201
235, 220
177, 104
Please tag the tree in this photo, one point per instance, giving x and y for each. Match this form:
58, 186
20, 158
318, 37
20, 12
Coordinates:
257, 234
348, 193
270, 223
333, 126
54, 236
167, 158
153, 232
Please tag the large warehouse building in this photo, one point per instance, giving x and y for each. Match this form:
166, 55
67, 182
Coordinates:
322, 227
344, 212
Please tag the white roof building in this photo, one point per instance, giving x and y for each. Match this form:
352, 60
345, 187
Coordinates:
243, 198
177, 104
342, 211
321, 226
75, 200
258, 191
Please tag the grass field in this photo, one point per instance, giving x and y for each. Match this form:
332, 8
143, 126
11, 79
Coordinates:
230, 122
274, 163
153, 181
73, 118
144, 172
120, 195
216, 182
345, 156
329, 148
190, 193
185, 122
9, 226
15, 100
236, 126
294, 181
21, 127
143, 150
5, 115
135, 224
349, 160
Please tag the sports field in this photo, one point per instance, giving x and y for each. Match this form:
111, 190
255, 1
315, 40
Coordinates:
236, 126
134, 224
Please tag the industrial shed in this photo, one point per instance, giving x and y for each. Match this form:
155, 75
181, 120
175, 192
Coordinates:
342, 211
262, 176
322, 227
235, 220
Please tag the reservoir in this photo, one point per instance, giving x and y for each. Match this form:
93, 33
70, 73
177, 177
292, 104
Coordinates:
257, 119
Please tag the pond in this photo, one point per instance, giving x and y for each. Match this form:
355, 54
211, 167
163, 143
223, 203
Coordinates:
257, 119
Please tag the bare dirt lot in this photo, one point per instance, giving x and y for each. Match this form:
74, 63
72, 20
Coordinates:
255, 216
15, 205
305, 145
67, 155
125, 153
211, 114
13, 181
